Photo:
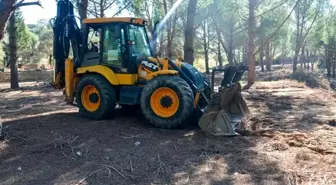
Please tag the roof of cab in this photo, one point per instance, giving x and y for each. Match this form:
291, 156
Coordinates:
114, 19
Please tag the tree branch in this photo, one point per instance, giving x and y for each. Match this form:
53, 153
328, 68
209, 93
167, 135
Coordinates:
278, 28
109, 5
122, 8
310, 27
259, 3
271, 9
22, 3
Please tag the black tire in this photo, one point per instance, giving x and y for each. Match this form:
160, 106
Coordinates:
107, 95
185, 97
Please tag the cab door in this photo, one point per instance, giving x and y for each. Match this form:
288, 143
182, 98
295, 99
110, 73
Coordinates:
112, 52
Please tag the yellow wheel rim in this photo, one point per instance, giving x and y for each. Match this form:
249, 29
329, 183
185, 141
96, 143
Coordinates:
164, 102
90, 98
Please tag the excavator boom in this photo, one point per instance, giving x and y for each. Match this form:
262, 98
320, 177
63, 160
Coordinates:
67, 35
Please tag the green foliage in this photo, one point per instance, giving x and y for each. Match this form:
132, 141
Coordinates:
35, 42
45, 39
27, 41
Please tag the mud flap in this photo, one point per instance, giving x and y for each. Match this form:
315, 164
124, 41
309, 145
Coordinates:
225, 112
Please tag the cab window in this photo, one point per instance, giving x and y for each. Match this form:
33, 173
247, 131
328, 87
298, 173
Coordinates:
94, 39
112, 53
138, 41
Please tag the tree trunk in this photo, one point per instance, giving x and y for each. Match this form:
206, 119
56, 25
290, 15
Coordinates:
295, 59
168, 29
190, 32
261, 55
6, 9
205, 47
251, 45
82, 10
307, 57
219, 52
297, 44
172, 36
327, 58
14, 81
303, 60
220, 59
230, 39
333, 64
268, 56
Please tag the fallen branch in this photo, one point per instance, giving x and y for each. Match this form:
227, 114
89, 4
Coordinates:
131, 165
109, 166
126, 136
162, 165
22, 139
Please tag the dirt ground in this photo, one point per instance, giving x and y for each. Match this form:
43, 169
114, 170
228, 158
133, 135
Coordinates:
46, 142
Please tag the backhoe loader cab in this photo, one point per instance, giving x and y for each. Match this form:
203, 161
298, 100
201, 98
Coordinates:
116, 42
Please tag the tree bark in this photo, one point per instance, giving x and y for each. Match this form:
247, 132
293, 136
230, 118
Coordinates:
14, 80
205, 47
190, 32
327, 58
171, 29
307, 57
6, 9
261, 54
230, 38
268, 56
297, 48
302, 58
82, 10
251, 45
219, 52
333, 64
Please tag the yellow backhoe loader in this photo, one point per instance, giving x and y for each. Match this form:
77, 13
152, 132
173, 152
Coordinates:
113, 63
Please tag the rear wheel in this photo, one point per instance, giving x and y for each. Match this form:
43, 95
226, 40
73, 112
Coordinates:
167, 101
96, 97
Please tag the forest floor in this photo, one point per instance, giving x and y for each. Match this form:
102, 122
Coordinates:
46, 142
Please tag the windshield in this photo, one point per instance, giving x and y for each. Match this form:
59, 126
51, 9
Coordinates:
138, 41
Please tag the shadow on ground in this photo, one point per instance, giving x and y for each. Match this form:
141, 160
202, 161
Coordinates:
64, 148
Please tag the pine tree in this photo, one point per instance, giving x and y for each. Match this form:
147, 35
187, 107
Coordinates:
12, 31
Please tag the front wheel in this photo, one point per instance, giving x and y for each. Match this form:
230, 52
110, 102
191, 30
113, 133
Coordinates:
96, 97
167, 101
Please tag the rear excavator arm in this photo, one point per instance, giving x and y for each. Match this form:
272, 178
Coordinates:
67, 35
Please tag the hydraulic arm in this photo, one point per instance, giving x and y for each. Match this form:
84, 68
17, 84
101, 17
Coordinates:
67, 35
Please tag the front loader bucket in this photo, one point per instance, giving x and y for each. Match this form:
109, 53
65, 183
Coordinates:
226, 109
